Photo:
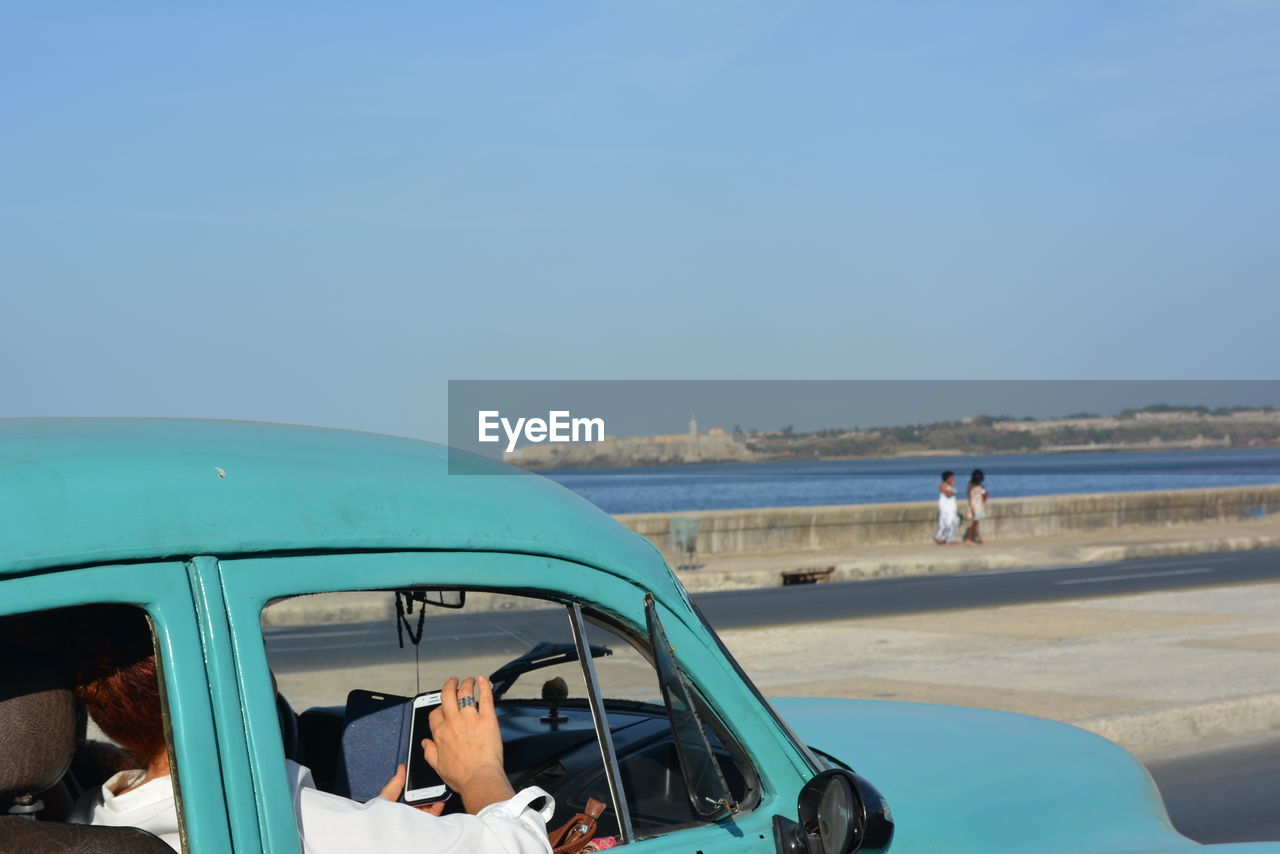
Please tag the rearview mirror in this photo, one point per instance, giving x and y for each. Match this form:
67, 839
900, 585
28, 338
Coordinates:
436, 598
445, 598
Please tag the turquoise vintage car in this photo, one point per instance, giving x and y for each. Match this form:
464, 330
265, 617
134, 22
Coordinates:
228, 533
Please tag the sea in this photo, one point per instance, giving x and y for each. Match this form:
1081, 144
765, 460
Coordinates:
670, 489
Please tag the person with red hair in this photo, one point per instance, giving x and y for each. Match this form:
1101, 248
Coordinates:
114, 674
116, 678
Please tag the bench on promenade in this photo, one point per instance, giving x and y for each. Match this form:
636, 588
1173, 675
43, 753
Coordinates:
807, 574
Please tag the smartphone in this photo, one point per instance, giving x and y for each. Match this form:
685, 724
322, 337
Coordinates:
423, 785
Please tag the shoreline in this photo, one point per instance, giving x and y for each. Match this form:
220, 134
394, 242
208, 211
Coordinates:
918, 455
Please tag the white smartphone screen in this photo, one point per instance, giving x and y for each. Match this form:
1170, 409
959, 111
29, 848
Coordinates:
423, 784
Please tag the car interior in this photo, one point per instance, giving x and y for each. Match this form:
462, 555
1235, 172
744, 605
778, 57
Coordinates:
45, 759
548, 731
50, 754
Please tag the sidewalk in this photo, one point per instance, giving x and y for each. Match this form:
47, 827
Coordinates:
738, 572
1149, 671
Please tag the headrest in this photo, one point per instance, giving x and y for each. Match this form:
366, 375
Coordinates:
37, 725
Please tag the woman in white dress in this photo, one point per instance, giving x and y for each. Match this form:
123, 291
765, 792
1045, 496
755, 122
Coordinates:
948, 514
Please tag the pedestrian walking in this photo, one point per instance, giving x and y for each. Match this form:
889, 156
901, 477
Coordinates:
948, 515
977, 507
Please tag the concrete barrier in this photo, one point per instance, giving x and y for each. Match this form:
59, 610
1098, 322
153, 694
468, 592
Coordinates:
724, 532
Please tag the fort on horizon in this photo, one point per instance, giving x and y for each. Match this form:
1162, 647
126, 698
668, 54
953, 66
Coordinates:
713, 446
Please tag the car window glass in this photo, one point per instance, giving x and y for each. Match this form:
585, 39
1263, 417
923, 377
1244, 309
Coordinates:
321, 648
708, 791
352, 643
649, 759
117, 736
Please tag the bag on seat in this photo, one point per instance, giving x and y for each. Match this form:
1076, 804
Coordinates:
574, 835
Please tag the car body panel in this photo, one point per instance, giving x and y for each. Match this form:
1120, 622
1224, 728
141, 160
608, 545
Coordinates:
966, 780
227, 692
79, 491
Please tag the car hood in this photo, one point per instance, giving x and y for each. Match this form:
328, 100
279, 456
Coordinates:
964, 780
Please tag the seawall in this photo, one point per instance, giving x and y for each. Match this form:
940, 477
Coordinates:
768, 529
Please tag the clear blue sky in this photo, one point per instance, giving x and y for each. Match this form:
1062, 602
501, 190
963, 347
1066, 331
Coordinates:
320, 212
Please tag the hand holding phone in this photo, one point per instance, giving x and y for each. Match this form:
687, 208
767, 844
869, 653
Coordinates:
394, 790
466, 743
423, 784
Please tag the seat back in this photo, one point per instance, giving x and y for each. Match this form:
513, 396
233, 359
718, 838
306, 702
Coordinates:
37, 741
37, 729
44, 837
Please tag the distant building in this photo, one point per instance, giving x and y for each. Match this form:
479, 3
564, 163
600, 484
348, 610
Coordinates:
665, 449
1170, 415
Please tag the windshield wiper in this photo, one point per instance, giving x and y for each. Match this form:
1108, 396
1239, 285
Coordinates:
542, 655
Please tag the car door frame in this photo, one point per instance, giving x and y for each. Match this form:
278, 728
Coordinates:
249, 584
164, 590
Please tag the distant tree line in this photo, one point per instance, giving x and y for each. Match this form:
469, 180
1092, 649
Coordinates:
980, 435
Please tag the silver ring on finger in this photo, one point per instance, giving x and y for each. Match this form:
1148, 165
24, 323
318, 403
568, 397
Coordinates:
464, 702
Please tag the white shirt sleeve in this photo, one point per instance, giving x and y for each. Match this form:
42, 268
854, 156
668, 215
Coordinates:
329, 824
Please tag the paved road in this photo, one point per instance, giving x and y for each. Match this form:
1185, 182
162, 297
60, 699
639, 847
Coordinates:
317, 647
740, 609
1223, 794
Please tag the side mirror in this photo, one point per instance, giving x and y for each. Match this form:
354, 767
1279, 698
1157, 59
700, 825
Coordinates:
840, 812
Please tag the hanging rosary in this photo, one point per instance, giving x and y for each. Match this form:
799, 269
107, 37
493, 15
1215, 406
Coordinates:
404, 610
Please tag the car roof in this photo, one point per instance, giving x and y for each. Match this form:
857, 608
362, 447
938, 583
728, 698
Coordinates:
101, 491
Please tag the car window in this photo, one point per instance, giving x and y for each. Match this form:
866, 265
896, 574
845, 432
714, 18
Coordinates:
657, 795
118, 737
337, 658
333, 655
324, 646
